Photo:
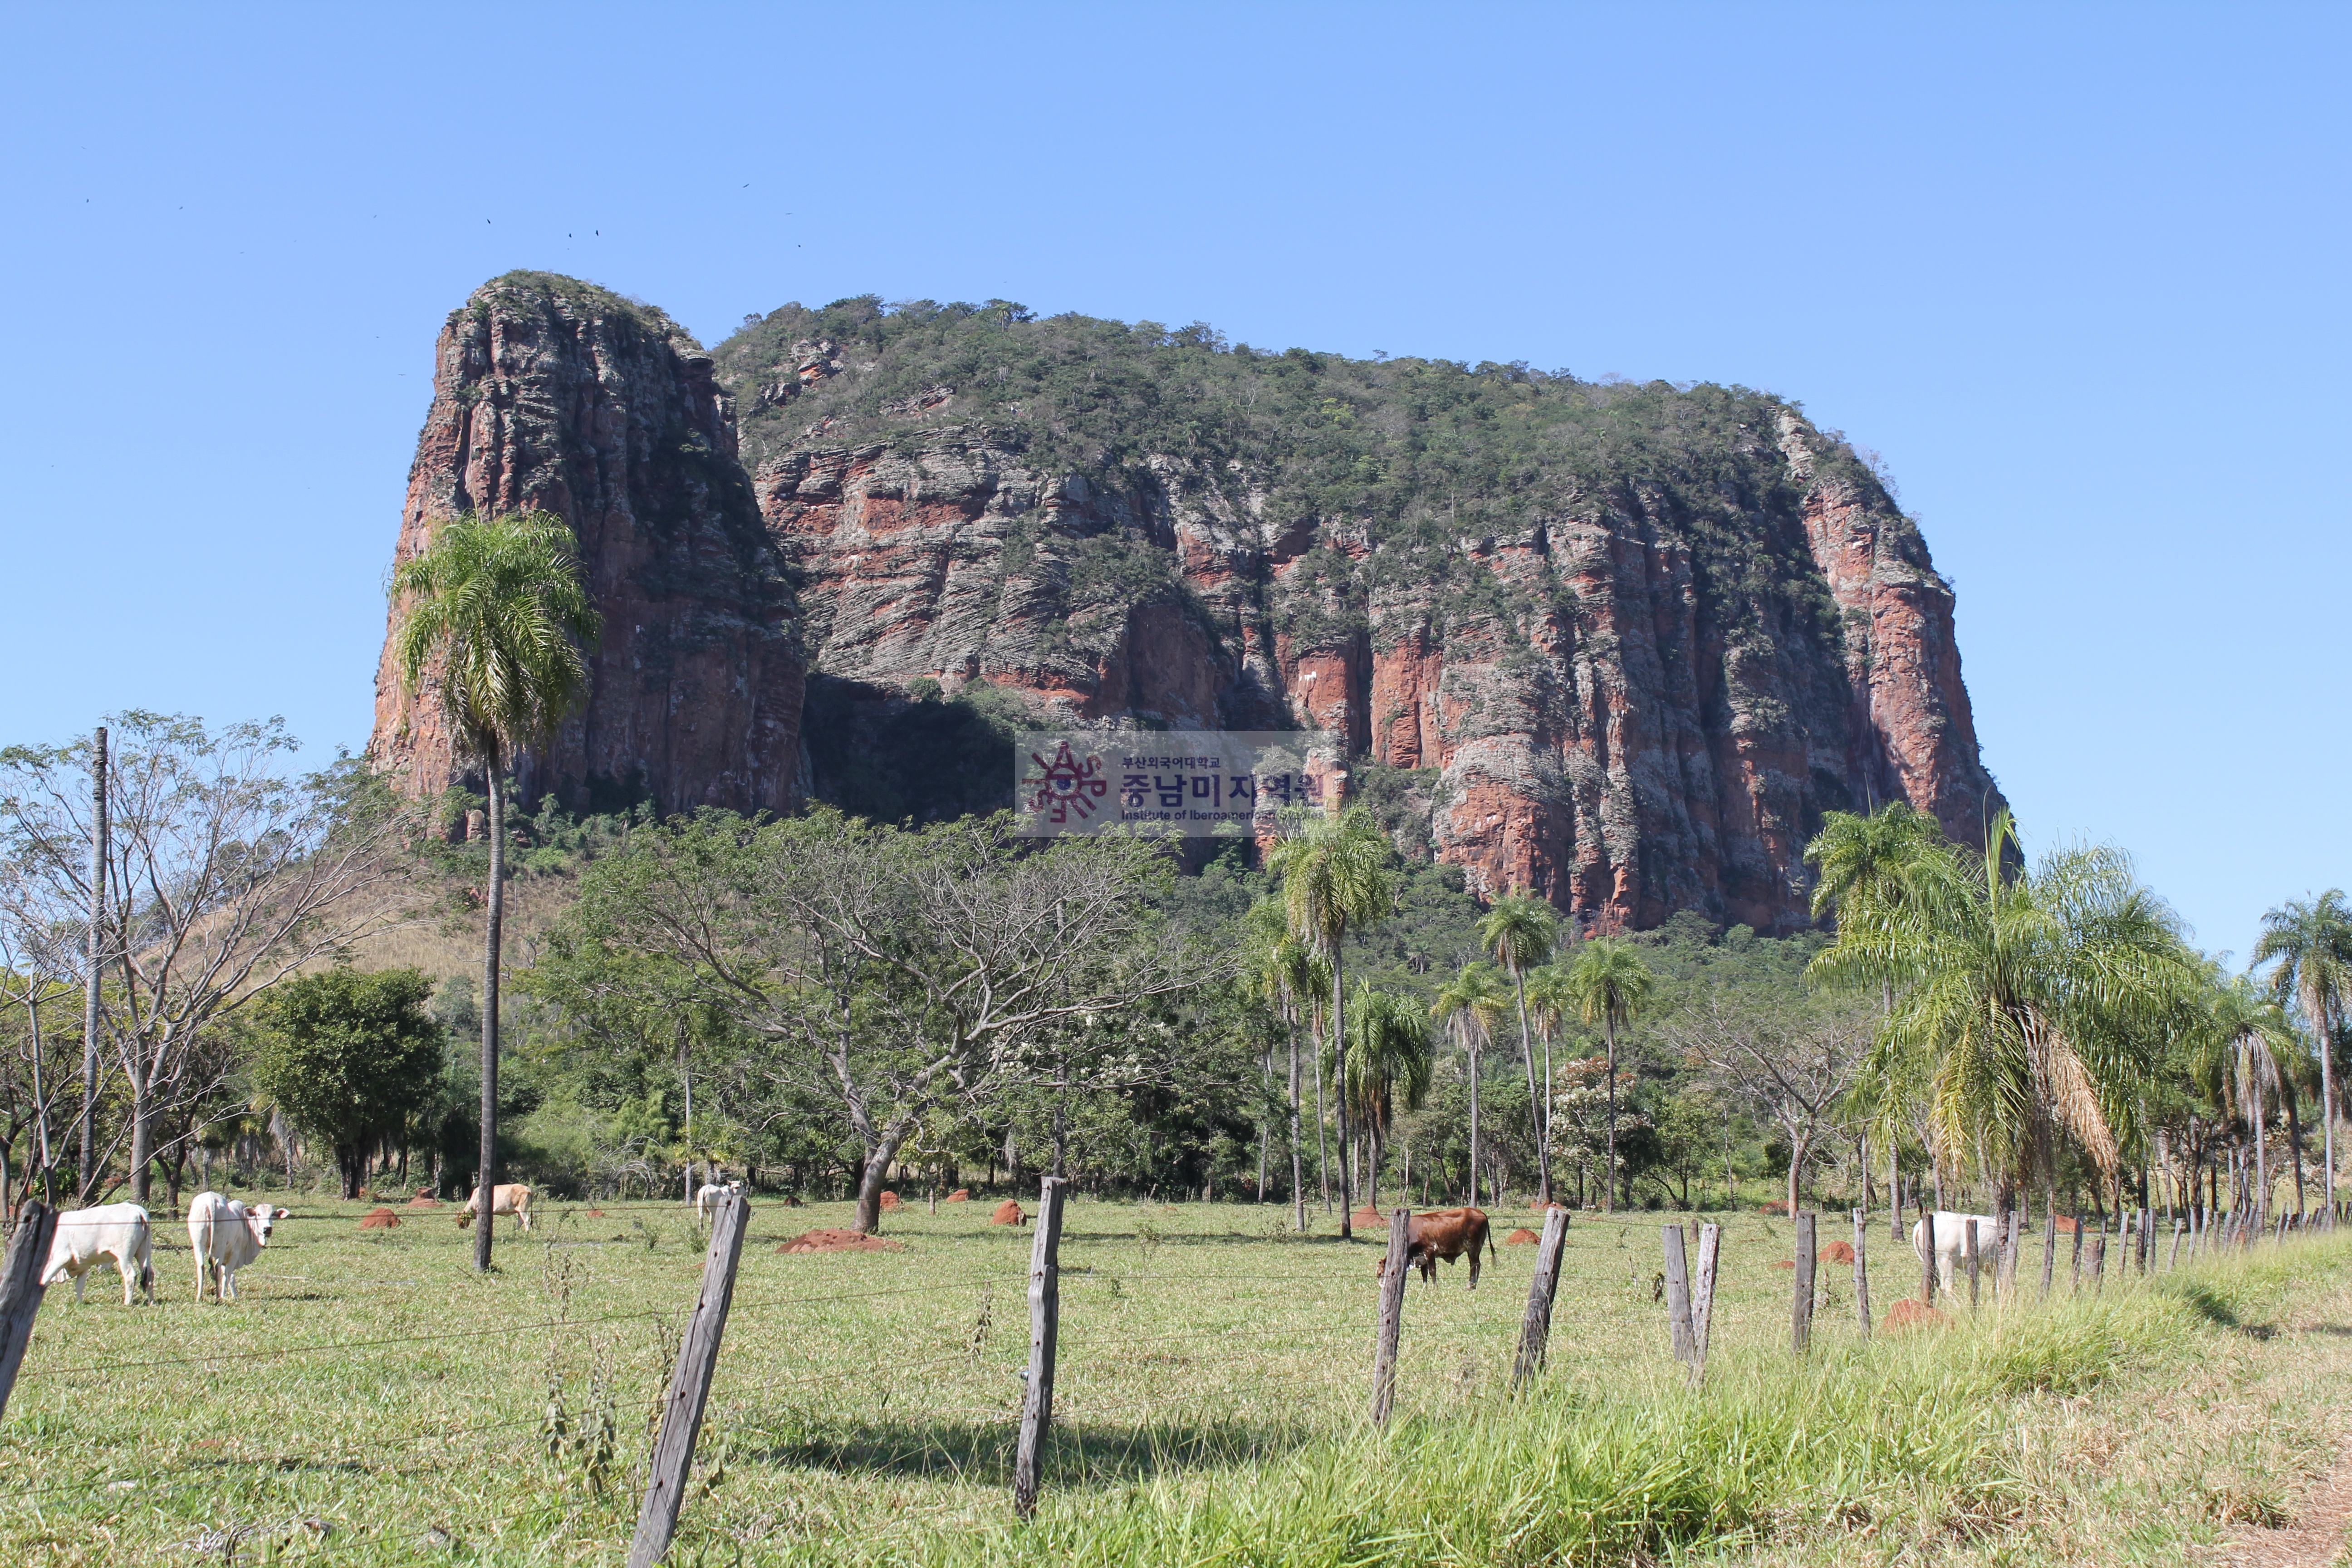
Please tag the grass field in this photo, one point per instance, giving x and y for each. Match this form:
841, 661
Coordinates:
370, 1400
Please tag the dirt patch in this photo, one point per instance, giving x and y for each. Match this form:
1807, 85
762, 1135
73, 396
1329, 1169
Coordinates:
1369, 1218
1008, 1212
840, 1241
379, 1219
1521, 1238
1778, 1206
889, 1202
1910, 1312
594, 1214
1837, 1252
423, 1202
960, 1196
2315, 1538
1788, 1264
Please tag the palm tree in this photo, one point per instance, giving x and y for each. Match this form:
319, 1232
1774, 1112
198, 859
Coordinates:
1548, 1004
1468, 1006
2252, 1032
495, 615
1518, 933
1287, 972
2309, 944
1609, 986
1861, 865
1387, 1061
2037, 1002
1335, 879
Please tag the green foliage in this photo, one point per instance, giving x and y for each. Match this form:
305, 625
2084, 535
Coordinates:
350, 1057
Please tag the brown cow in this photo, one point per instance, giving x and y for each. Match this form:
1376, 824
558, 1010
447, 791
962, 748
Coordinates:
508, 1197
1447, 1233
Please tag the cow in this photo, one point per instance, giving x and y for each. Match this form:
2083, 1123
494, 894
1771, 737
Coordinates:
116, 1231
226, 1236
1447, 1233
1951, 1243
709, 1193
510, 1197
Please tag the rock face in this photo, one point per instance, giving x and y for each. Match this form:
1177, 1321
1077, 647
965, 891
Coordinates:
555, 394
1620, 645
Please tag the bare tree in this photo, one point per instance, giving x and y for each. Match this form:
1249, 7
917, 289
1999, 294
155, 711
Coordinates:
224, 875
895, 973
1792, 1061
37, 971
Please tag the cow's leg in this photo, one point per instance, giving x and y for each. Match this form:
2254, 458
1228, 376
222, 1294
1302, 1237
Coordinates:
128, 1265
1474, 1268
227, 1283
79, 1280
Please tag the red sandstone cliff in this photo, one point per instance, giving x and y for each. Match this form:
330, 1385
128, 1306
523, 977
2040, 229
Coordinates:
550, 394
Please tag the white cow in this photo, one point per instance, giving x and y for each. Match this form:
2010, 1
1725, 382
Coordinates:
710, 1193
118, 1231
226, 1236
1951, 1243
508, 1197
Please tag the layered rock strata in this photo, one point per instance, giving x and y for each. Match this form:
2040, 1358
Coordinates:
555, 396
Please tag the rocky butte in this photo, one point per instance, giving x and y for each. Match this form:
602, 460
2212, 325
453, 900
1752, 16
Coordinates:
1620, 643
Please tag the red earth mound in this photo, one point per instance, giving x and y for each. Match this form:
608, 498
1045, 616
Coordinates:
595, 1213
1785, 1263
2065, 1226
379, 1219
1909, 1313
1521, 1238
889, 1202
1008, 1212
960, 1196
1369, 1218
839, 1241
1837, 1252
1778, 1205
422, 1202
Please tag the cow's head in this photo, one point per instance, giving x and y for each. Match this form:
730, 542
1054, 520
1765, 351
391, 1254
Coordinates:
261, 1219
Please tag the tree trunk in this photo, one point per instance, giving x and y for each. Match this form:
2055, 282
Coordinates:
870, 1177
2294, 1144
1265, 1123
686, 1086
1796, 1168
1551, 1087
1339, 1096
2262, 1162
1527, 1059
2319, 1027
87, 1176
1322, 1119
1297, 1156
142, 1131
1472, 1049
1609, 1176
494, 908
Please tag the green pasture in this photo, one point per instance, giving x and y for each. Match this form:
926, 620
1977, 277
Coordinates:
370, 1400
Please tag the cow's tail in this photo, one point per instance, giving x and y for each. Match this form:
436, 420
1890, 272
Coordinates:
146, 1251
1492, 1250
203, 1233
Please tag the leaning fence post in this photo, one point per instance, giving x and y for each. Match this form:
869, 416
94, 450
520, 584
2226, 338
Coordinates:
2099, 1262
1927, 1255
1535, 1328
20, 1287
2049, 1250
1678, 1301
1710, 1247
1384, 1341
2078, 1252
2006, 1284
2173, 1261
1044, 1327
1800, 1312
1862, 1270
689, 1385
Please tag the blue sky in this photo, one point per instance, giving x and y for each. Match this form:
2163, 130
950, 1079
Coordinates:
2076, 272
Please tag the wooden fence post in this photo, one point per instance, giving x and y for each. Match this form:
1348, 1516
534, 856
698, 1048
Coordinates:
1969, 1256
1535, 1328
1678, 1295
1710, 1247
2078, 1252
1862, 1270
2005, 1286
21, 1288
1927, 1255
1800, 1312
1384, 1341
2173, 1262
2099, 1262
689, 1384
2049, 1250
1044, 1328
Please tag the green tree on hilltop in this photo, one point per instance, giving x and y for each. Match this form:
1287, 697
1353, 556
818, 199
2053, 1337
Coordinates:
348, 1056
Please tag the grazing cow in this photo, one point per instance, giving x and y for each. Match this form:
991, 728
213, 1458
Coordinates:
510, 1197
116, 1231
710, 1193
1951, 1243
226, 1236
1447, 1233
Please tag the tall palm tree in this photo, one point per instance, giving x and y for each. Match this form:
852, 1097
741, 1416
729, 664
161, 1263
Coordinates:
1518, 933
1467, 1006
1611, 987
1548, 1005
2308, 944
1287, 973
1387, 1061
1335, 879
2038, 999
494, 615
